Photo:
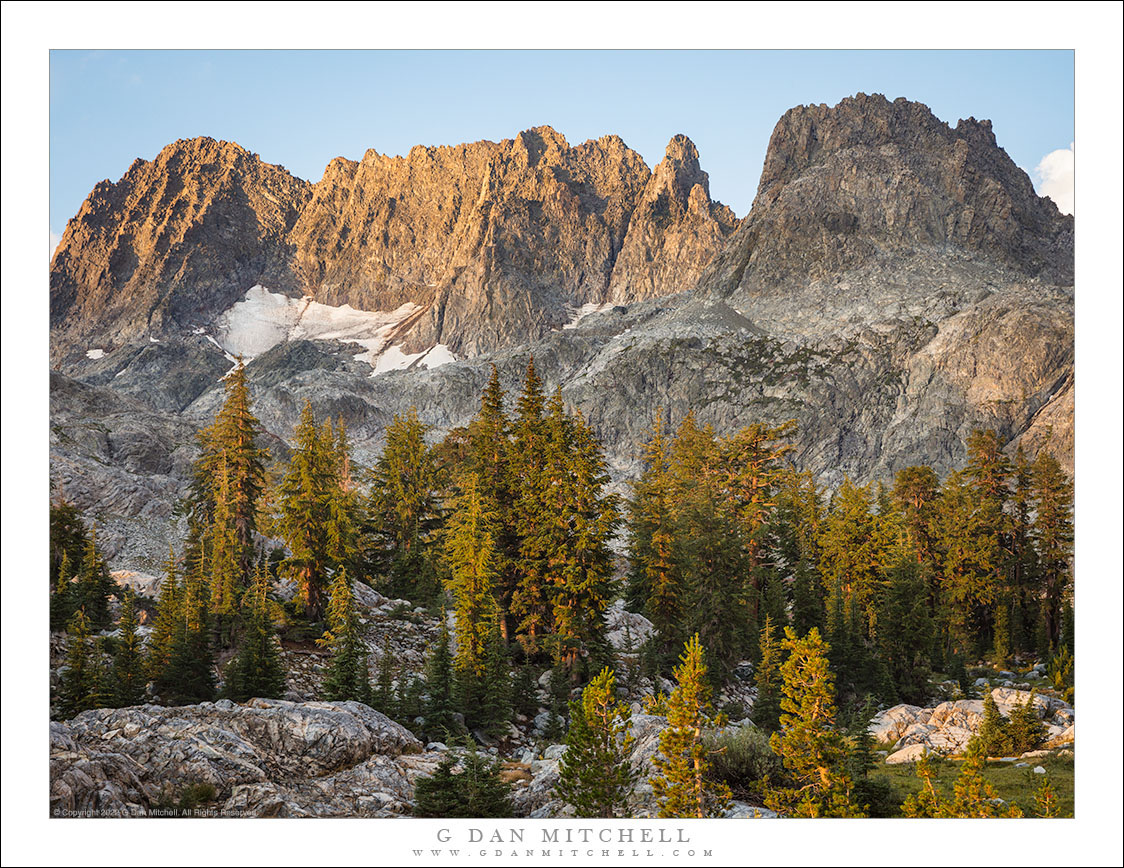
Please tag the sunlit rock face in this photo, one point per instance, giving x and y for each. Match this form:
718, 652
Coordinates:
896, 285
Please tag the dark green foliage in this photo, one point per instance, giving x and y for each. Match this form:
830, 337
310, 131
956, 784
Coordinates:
78, 685
767, 680
257, 670
743, 760
524, 691
68, 538
465, 784
994, 734
127, 676
383, 698
440, 719
1024, 727
559, 690
64, 597
494, 712
348, 676
595, 774
94, 586
905, 632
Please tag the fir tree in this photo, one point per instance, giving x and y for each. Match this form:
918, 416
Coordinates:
78, 686
994, 734
905, 632
403, 508
383, 698
94, 586
257, 670
767, 680
814, 752
348, 676
63, 597
682, 785
1024, 726
1053, 535
127, 678
440, 721
316, 511
495, 695
67, 538
464, 785
595, 774
169, 621
1045, 800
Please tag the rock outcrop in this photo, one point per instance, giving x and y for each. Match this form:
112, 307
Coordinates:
909, 731
265, 758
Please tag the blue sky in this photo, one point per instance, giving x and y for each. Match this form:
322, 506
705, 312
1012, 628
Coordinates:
302, 108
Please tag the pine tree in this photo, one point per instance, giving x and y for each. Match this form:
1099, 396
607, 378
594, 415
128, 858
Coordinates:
67, 538
595, 774
257, 670
1045, 800
440, 721
63, 597
169, 622
682, 786
852, 554
383, 698
767, 680
316, 511
189, 676
471, 555
927, 802
813, 751
495, 694
1053, 535
78, 684
127, 678
972, 795
464, 785
905, 632
1024, 726
94, 586
403, 509
994, 734
915, 490
348, 676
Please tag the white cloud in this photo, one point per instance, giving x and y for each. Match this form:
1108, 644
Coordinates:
1055, 178
55, 239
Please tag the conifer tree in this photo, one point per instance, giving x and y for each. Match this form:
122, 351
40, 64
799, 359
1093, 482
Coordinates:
94, 586
464, 785
972, 795
316, 511
257, 670
852, 557
915, 490
926, 803
495, 693
767, 680
63, 597
189, 674
905, 631
595, 774
127, 677
403, 508
383, 698
681, 785
813, 751
348, 676
78, 686
1024, 726
471, 555
169, 619
67, 537
1053, 534
994, 734
440, 722
1046, 800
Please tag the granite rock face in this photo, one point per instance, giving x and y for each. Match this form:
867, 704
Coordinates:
896, 285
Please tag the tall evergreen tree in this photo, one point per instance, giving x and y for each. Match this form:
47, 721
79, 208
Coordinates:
905, 632
1053, 534
127, 677
316, 516
67, 536
681, 785
348, 675
595, 774
257, 670
78, 687
440, 720
814, 752
169, 619
94, 586
767, 680
403, 508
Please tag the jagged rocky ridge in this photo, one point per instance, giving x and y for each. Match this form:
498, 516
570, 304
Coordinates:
896, 285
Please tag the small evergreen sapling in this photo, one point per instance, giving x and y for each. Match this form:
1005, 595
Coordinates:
128, 663
596, 775
682, 785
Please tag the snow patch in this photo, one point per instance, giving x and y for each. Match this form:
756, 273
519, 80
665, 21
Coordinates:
264, 319
393, 359
95, 354
585, 310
